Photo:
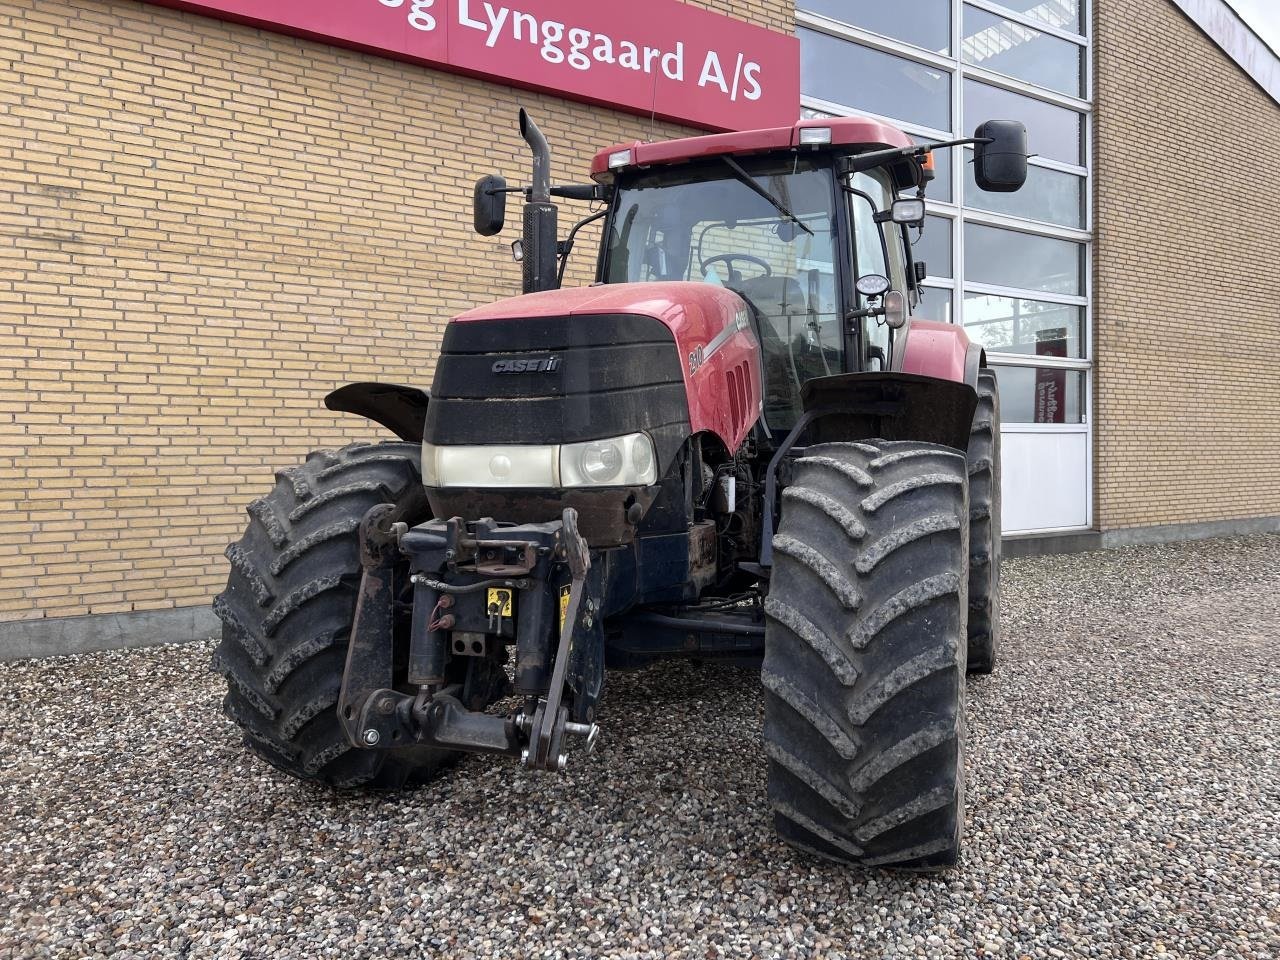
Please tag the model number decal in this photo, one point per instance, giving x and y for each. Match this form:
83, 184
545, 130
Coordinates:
701, 355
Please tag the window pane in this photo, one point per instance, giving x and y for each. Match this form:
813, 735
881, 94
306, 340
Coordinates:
866, 79
1049, 195
1052, 131
940, 187
1038, 395
1009, 325
925, 23
1009, 258
1063, 14
934, 246
935, 304
1004, 46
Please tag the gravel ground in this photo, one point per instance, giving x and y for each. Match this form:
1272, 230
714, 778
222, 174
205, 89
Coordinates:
1124, 802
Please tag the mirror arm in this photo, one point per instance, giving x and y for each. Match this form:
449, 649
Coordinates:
865, 313
591, 192
876, 158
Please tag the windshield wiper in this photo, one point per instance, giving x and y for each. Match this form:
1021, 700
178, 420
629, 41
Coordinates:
759, 188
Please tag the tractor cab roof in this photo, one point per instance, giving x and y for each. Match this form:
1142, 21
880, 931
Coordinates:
845, 134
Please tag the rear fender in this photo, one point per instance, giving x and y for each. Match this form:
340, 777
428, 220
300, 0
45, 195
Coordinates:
402, 410
941, 350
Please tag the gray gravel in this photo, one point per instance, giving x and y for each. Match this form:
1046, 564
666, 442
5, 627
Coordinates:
1124, 802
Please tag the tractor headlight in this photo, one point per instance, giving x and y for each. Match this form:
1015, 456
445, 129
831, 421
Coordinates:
488, 466
618, 462
615, 462
600, 460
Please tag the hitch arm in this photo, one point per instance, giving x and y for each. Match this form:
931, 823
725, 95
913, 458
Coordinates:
548, 721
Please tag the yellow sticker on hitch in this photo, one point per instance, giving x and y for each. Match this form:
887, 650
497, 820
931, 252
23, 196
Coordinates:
564, 605
500, 599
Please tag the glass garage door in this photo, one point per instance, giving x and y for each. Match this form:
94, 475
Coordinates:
1012, 268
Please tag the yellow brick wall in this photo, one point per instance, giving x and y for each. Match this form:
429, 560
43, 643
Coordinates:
1187, 284
204, 228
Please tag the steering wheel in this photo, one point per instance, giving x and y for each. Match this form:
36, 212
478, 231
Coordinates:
728, 258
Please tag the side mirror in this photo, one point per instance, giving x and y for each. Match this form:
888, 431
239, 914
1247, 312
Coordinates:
490, 205
1000, 165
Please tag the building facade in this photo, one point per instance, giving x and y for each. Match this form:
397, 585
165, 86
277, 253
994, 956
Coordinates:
209, 224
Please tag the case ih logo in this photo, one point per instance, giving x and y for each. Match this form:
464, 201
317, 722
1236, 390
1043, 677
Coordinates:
659, 57
525, 365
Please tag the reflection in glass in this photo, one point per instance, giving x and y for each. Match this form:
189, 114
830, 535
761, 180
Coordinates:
1052, 131
1009, 258
934, 246
1008, 47
1063, 14
935, 304
847, 73
1049, 195
1012, 325
924, 23
1040, 395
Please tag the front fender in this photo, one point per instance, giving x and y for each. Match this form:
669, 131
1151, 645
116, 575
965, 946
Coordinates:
402, 410
890, 406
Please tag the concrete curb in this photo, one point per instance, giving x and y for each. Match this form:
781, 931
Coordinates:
1079, 541
58, 636
1175, 532
1049, 544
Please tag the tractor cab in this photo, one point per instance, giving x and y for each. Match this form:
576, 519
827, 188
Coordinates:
812, 225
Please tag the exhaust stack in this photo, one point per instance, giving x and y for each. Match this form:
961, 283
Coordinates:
541, 216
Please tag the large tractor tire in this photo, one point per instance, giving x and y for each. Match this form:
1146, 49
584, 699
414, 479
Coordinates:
864, 666
984, 527
288, 609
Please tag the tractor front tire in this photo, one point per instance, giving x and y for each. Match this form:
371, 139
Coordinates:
984, 527
864, 667
288, 609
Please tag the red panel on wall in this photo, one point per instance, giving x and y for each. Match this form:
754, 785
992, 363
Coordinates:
656, 56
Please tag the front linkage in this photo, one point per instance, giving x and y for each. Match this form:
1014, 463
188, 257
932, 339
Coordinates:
476, 587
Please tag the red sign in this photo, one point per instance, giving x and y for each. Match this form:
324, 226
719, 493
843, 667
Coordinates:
659, 57
1051, 385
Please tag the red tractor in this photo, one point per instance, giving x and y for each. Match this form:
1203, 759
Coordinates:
737, 444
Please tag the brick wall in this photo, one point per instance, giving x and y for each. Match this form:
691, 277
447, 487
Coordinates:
1187, 284
204, 228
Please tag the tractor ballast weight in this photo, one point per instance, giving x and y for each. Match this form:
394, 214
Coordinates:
738, 445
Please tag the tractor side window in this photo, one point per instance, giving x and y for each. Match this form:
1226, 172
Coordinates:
875, 253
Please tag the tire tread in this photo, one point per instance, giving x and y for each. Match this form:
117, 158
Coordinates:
864, 700
288, 607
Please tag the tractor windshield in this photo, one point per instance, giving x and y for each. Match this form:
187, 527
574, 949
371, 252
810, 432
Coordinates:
708, 222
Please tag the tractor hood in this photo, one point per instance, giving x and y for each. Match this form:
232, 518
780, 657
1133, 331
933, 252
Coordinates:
718, 354
567, 368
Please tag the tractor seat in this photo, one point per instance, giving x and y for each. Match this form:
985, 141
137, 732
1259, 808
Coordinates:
773, 296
